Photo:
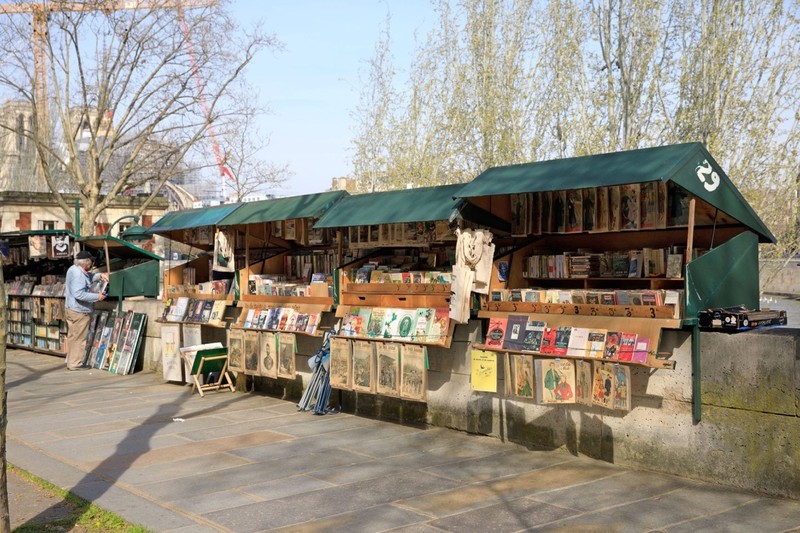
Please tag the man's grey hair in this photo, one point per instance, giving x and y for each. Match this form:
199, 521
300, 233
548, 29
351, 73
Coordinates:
82, 262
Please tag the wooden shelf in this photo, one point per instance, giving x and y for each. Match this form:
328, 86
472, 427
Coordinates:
317, 334
285, 301
595, 310
653, 361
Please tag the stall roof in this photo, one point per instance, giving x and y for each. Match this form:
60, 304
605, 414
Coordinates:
192, 218
689, 165
405, 205
117, 247
306, 206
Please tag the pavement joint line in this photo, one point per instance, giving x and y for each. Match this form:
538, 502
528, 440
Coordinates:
721, 511
128, 488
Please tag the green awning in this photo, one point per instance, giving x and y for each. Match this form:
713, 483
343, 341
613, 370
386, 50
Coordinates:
689, 165
424, 204
192, 218
306, 206
117, 247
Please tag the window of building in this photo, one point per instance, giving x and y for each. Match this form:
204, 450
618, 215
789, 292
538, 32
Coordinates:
47, 224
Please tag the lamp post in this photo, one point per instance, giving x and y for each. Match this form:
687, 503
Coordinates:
123, 217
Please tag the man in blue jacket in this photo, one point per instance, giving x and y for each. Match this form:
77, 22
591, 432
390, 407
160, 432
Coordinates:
79, 303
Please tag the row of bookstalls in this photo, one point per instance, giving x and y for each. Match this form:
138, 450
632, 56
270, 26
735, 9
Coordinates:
572, 267
35, 263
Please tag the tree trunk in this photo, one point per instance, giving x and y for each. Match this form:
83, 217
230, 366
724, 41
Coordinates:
5, 519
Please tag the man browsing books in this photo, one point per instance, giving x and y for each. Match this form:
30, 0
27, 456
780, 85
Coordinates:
80, 299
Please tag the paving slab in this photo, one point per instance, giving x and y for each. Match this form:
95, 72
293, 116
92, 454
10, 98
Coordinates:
244, 462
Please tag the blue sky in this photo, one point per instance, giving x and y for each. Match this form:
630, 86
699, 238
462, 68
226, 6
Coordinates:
312, 86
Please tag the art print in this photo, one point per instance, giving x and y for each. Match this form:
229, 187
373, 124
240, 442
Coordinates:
363, 367
574, 215
251, 349
236, 350
555, 381
267, 359
523, 375
603, 385
340, 369
413, 372
59, 246
622, 388
583, 382
388, 369
286, 351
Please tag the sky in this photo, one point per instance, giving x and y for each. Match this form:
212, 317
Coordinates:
312, 86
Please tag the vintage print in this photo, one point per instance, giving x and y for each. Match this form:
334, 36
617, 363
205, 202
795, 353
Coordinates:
413, 372
286, 350
363, 367
340, 373
388, 355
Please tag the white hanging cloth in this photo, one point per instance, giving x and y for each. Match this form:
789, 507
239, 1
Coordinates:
472, 271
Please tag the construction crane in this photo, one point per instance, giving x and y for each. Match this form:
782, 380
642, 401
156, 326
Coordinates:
40, 13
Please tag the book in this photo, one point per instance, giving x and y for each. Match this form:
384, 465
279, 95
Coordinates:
440, 328
648, 205
496, 332
390, 324
532, 338
515, 332
596, 343
375, 324
249, 317
548, 340
577, 343
674, 266
640, 350
627, 343
406, 324
208, 306
574, 211
313, 323
422, 323
563, 334
611, 351
217, 312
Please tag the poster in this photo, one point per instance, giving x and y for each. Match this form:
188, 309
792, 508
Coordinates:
170, 354
59, 246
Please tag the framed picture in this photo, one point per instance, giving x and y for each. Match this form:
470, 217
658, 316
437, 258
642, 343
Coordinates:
286, 351
340, 369
413, 373
388, 369
363, 367
267, 364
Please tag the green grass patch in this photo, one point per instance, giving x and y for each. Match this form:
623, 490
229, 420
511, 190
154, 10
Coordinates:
83, 513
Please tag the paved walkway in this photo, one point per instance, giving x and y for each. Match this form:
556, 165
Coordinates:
174, 462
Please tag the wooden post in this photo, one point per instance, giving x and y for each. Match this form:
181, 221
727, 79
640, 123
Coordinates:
690, 235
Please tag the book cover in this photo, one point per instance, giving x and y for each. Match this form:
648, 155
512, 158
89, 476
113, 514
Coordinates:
515, 332
602, 210
313, 323
548, 340
555, 381
96, 322
674, 266
622, 389
375, 324
406, 324
496, 332
179, 309
107, 362
116, 336
133, 340
391, 323
217, 312
640, 350
519, 215
274, 318
208, 306
563, 334
574, 215
248, 321
583, 382
627, 343
532, 338
170, 353
596, 343
589, 209
559, 211
422, 323
167, 309
611, 351
577, 343
603, 384
105, 338
546, 213
440, 328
